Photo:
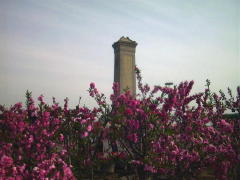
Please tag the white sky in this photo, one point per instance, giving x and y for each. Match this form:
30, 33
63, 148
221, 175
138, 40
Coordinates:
58, 47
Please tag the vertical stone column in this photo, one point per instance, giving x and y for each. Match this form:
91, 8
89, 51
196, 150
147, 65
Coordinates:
124, 64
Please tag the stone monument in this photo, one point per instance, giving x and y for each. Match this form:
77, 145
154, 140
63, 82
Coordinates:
124, 64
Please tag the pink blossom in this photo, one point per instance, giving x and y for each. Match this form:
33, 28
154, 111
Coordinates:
6, 161
133, 137
149, 168
92, 85
133, 124
137, 162
40, 98
211, 148
18, 105
129, 111
61, 137
150, 126
89, 128
30, 139
67, 172
85, 134
63, 152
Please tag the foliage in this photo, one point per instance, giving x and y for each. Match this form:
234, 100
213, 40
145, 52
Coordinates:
162, 132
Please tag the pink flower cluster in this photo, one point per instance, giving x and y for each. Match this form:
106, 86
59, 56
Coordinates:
164, 131
174, 133
29, 143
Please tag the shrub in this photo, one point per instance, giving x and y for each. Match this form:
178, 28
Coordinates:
162, 132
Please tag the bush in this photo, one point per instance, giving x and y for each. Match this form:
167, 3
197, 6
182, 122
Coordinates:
163, 132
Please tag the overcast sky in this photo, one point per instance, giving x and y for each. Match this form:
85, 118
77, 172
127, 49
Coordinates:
58, 47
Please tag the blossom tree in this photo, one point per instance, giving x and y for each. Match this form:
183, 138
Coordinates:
163, 132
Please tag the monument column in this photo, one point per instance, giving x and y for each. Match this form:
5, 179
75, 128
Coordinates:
124, 64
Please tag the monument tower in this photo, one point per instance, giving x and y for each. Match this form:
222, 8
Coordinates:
124, 64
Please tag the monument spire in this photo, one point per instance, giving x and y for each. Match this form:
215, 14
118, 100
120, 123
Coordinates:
124, 64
